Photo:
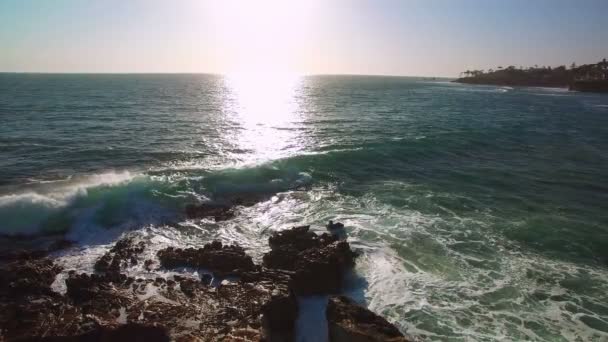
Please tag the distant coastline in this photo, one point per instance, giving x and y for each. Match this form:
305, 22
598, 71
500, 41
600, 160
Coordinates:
588, 77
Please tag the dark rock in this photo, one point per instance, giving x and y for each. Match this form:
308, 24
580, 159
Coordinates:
350, 322
248, 199
331, 226
287, 244
27, 276
222, 260
279, 317
98, 293
60, 244
281, 258
12, 255
118, 257
129, 332
219, 212
191, 286
206, 279
321, 270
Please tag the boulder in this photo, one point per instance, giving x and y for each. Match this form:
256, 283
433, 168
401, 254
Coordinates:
219, 259
321, 270
279, 316
349, 322
123, 253
219, 212
21, 277
286, 245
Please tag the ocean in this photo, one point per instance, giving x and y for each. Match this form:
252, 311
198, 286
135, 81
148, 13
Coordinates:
480, 213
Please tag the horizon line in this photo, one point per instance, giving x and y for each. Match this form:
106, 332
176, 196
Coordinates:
201, 73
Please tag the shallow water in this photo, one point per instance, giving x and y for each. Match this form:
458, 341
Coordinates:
480, 211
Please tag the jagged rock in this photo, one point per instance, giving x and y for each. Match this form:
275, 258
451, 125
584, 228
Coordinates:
287, 244
12, 255
60, 244
223, 208
349, 322
248, 199
299, 238
214, 257
125, 251
219, 212
331, 226
279, 317
99, 293
131, 332
321, 270
27, 276
260, 305
319, 261
27, 303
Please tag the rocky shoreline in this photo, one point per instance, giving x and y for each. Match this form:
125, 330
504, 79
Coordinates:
238, 301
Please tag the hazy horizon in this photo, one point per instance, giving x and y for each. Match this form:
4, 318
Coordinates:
385, 38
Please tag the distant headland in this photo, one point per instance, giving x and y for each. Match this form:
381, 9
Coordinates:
587, 77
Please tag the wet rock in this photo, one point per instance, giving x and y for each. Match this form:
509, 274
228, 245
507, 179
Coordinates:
127, 332
279, 317
98, 295
123, 253
27, 303
350, 322
191, 286
321, 270
287, 244
215, 257
299, 238
248, 199
281, 258
148, 264
130, 332
60, 244
219, 212
27, 276
223, 208
19, 254
334, 226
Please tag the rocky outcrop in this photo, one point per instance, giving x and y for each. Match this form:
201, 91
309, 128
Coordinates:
260, 305
219, 212
318, 261
124, 252
321, 270
223, 208
26, 277
219, 259
349, 322
286, 245
129, 332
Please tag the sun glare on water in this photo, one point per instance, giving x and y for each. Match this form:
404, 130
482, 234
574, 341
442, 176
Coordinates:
261, 43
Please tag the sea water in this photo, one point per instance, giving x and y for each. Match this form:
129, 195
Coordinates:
480, 212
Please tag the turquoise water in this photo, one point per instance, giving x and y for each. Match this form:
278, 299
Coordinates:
481, 212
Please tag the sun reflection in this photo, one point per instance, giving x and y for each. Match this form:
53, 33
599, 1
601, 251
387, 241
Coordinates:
265, 107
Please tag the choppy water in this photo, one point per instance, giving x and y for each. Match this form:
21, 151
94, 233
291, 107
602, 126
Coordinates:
481, 212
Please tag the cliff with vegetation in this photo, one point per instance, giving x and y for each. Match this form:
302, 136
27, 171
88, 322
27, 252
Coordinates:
588, 77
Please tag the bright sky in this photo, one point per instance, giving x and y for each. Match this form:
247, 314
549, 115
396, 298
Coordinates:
394, 37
